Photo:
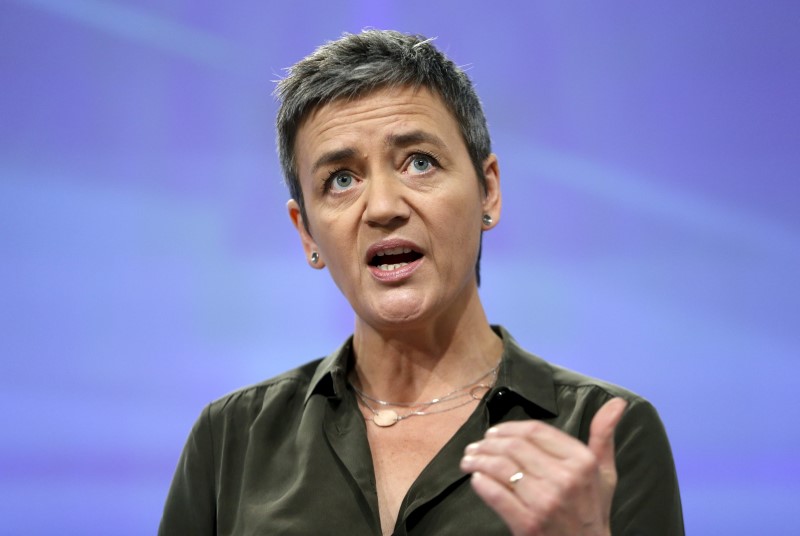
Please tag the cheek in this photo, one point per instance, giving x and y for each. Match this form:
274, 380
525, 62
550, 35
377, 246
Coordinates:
463, 216
336, 242
458, 234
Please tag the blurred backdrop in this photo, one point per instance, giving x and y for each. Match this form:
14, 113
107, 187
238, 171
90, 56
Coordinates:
649, 159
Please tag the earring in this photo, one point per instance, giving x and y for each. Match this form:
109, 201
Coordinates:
487, 220
314, 257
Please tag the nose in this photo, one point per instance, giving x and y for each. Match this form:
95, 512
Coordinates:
385, 201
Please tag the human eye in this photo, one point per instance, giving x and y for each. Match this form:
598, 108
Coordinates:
339, 181
421, 163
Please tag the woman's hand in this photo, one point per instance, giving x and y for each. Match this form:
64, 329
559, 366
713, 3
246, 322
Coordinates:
544, 482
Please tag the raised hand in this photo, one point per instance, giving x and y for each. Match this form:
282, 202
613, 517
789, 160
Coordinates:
544, 482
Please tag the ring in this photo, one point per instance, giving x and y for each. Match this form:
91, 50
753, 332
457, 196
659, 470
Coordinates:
516, 477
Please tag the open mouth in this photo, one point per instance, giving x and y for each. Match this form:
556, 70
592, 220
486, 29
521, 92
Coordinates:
394, 258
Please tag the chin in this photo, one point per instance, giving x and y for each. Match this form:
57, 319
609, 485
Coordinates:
394, 314
398, 318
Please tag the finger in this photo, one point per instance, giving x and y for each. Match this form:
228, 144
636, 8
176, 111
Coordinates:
543, 475
502, 500
520, 454
529, 487
601, 433
499, 468
550, 439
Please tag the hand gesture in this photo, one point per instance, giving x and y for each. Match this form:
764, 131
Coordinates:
544, 482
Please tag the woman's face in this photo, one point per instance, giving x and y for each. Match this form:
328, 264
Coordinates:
393, 203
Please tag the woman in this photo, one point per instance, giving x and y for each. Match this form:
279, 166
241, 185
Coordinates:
427, 420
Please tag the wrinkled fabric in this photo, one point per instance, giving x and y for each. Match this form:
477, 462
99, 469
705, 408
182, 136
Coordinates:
290, 456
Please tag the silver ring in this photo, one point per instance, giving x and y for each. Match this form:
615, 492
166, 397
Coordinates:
514, 479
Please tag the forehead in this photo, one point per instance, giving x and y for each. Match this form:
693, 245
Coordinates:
378, 113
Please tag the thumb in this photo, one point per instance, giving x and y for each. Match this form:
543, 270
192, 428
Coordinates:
601, 432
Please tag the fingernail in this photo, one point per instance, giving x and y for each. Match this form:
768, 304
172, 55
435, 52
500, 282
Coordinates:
467, 461
491, 431
622, 406
471, 448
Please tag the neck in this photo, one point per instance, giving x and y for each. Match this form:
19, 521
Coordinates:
420, 362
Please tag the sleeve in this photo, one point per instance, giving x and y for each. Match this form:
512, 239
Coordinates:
647, 499
190, 506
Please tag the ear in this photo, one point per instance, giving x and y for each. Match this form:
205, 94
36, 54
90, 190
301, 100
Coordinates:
493, 200
309, 246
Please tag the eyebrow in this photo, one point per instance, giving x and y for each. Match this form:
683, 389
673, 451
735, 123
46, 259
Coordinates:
332, 157
412, 138
393, 140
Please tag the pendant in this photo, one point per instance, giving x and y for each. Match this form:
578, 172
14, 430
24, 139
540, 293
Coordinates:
479, 391
385, 417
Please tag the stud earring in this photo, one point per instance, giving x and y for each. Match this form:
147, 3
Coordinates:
487, 220
314, 257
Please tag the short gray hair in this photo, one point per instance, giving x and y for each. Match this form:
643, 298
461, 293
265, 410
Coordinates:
357, 64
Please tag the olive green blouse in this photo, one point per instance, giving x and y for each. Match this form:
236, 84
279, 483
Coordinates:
290, 456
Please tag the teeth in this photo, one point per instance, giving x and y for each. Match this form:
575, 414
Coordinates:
394, 251
390, 267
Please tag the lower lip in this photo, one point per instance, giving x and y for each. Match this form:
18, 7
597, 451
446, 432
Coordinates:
399, 274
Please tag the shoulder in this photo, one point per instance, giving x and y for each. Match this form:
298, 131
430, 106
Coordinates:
580, 396
284, 391
551, 386
566, 380
579, 392
570, 397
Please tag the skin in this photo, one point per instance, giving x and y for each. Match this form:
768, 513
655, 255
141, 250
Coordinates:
567, 486
392, 165
431, 323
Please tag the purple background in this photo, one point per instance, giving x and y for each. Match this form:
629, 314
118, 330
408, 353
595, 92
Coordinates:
649, 158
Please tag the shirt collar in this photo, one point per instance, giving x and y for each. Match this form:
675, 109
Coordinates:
521, 373
527, 376
330, 378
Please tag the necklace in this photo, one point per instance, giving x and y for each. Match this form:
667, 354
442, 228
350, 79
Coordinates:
389, 417
452, 394
383, 416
